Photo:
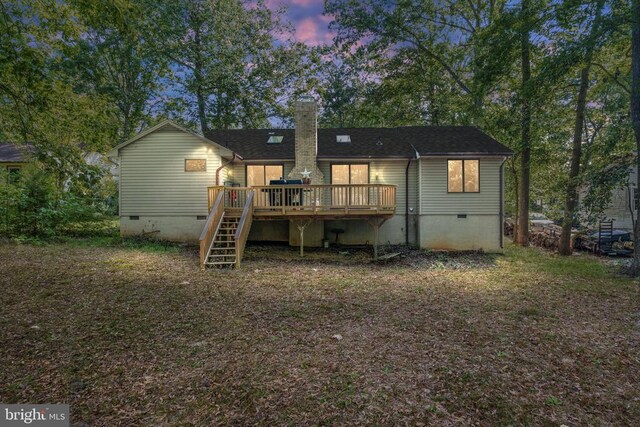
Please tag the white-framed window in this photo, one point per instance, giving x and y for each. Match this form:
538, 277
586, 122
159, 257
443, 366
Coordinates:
463, 176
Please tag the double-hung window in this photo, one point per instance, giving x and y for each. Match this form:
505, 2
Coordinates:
463, 176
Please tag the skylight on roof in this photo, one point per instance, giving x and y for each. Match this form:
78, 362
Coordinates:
275, 139
343, 139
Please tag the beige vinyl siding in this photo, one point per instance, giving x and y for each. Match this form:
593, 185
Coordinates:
435, 199
235, 173
393, 172
223, 174
153, 177
389, 172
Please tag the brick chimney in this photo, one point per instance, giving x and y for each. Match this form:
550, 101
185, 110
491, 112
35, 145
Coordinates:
306, 122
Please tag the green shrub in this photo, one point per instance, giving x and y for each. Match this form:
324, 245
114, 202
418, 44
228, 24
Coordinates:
39, 204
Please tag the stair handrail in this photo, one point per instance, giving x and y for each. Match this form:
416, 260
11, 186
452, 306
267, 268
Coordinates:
211, 228
244, 225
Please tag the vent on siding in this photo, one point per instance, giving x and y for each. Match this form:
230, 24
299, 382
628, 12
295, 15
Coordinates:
134, 217
462, 215
200, 217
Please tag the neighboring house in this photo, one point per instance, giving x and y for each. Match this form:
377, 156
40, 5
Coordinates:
623, 205
438, 187
13, 158
109, 167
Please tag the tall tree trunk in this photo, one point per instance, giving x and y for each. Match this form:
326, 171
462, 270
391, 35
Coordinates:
525, 111
201, 100
435, 114
571, 201
126, 124
197, 74
565, 247
635, 118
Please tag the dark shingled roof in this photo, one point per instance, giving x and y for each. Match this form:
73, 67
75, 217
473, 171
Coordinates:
252, 143
400, 142
14, 153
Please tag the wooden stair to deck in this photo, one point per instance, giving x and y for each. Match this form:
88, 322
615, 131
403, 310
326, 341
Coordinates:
222, 252
225, 234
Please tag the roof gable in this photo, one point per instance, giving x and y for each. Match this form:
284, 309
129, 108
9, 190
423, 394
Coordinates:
15, 153
224, 151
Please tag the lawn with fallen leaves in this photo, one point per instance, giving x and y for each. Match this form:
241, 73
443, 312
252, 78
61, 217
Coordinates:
139, 336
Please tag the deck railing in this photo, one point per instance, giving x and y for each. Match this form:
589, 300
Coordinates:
283, 199
216, 212
244, 226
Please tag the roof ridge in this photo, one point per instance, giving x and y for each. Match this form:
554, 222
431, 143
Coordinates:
398, 141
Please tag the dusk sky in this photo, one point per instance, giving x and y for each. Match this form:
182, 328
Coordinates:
311, 26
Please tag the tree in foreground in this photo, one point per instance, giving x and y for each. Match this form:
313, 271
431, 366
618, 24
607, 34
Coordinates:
231, 61
571, 203
635, 119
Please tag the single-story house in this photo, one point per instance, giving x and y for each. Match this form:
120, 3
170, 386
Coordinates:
14, 157
438, 187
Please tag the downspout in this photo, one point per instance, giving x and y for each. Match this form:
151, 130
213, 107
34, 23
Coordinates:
223, 166
501, 219
406, 202
406, 183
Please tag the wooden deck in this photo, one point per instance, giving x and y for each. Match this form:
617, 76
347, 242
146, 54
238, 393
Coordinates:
232, 210
311, 201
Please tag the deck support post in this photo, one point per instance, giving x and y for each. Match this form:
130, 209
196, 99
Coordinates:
375, 223
301, 225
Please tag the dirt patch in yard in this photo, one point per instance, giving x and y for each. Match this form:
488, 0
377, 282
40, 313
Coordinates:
403, 256
134, 337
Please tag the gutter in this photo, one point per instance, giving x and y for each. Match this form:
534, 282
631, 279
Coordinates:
469, 154
416, 151
362, 157
223, 166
